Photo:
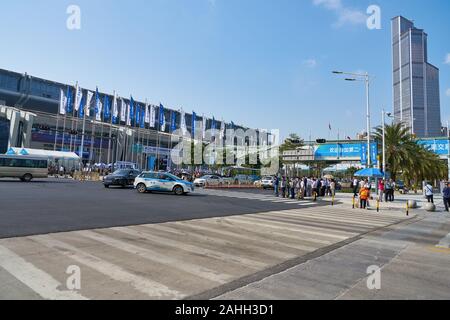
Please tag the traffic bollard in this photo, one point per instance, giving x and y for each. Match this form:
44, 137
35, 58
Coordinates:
407, 209
353, 202
378, 205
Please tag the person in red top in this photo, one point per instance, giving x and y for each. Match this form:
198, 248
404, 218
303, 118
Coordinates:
381, 190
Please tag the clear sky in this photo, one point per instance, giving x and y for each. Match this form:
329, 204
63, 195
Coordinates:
263, 64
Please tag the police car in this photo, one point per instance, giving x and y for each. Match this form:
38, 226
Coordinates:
162, 182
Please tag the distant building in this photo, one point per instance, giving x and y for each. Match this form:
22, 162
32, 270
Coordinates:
415, 80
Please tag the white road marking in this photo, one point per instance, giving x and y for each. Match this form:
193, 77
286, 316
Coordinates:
37, 280
149, 287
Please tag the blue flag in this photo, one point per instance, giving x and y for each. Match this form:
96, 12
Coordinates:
194, 118
131, 108
173, 118
142, 118
138, 115
82, 104
161, 115
107, 112
69, 101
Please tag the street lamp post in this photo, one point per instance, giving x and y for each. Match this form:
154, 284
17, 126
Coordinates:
384, 114
364, 77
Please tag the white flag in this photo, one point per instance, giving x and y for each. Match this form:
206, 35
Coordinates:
123, 110
204, 127
98, 116
152, 116
147, 113
222, 130
78, 97
128, 115
87, 107
183, 122
115, 112
62, 102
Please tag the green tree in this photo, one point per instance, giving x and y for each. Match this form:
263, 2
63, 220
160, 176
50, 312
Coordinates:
406, 159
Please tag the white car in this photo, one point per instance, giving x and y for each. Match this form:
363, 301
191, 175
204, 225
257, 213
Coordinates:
267, 182
209, 180
162, 182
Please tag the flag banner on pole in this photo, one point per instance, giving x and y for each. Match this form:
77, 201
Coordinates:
78, 97
100, 103
82, 106
162, 118
62, 102
107, 112
161, 115
232, 125
132, 115
222, 130
128, 114
137, 120
115, 109
173, 120
147, 113
143, 118
152, 116
204, 127
183, 122
213, 127
123, 110
194, 118
69, 101
87, 106
97, 109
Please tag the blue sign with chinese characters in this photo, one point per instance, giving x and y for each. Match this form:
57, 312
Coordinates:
345, 151
440, 147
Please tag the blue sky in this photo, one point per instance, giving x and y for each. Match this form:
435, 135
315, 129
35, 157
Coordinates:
264, 64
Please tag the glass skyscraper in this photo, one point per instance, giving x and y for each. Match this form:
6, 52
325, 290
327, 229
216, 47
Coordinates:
416, 81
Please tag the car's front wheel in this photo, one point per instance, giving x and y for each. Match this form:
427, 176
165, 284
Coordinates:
178, 190
141, 188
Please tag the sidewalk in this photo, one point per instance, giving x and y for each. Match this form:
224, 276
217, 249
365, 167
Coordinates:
411, 261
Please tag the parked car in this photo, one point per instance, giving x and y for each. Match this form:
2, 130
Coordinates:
209, 180
162, 182
123, 178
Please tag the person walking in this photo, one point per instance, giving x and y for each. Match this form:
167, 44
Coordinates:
381, 189
446, 196
333, 188
388, 189
283, 187
355, 184
429, 192
276, 186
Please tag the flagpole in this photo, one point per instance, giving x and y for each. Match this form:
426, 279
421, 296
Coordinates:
64, 132
56, 132
110, 130
73, 115
82, 135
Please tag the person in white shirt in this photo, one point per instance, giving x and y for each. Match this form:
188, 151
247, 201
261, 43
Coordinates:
429, 192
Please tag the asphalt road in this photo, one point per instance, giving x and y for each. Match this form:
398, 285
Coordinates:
51, 205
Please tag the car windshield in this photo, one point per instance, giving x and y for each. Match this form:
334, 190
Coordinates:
172, 176
121, 172
267, 178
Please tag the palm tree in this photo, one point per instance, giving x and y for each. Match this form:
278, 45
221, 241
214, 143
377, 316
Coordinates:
406, 158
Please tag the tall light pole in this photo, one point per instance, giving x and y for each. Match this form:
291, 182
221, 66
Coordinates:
363, 77
448, 156
384, 114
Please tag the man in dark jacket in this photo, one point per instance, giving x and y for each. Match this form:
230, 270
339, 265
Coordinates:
446, 195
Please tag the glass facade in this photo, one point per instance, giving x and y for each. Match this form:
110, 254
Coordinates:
415, 81
4, 135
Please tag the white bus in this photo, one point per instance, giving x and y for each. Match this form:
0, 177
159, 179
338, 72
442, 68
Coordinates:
23, 167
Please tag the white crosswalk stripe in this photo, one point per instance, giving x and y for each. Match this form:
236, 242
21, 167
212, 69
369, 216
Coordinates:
258, 197
176, 260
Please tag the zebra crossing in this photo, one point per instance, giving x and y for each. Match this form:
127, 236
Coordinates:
258, 197
176, 260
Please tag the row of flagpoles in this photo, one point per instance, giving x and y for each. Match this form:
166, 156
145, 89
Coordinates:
130, 114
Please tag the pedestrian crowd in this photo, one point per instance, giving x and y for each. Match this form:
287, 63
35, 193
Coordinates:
306, 187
